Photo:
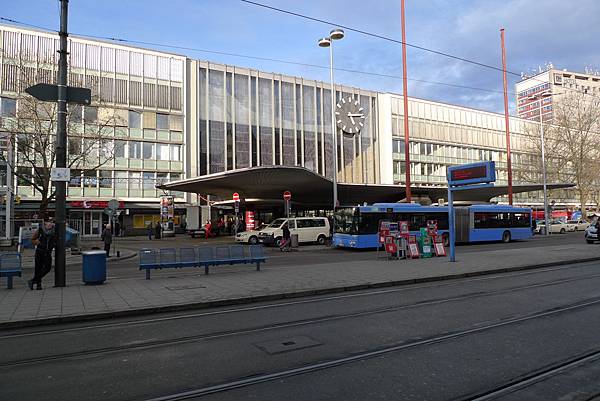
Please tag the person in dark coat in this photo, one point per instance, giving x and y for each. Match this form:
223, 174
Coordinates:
286, 238
150, 230
107, 239
158, 230
45, 240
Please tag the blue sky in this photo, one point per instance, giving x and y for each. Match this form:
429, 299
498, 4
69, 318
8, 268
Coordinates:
537, 32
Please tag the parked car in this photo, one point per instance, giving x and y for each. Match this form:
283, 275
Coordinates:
308, 229
591, 233
248, 237
556, 227
577, 225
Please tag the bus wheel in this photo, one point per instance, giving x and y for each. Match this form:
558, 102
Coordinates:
506, 236
446, 240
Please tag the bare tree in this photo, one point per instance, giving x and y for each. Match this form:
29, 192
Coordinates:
572, 144
31, 132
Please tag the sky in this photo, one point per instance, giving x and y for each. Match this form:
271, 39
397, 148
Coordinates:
537, 32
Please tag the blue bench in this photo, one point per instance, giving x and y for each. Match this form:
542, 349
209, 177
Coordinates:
204, 256
10, 266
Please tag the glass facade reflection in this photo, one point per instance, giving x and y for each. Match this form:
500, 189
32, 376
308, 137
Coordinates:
248, 118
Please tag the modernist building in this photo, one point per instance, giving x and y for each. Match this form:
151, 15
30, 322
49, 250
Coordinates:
242, 118
183, 118
555, 83
143, 89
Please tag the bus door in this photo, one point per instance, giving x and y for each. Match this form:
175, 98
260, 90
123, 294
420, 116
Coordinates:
463, 224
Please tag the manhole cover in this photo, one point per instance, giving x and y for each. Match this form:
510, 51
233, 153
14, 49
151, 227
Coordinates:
287, 344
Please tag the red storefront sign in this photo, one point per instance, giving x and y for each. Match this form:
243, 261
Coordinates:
249, 220
86, 204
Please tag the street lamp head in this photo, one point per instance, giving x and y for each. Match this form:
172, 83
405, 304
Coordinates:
336, 34
324, 42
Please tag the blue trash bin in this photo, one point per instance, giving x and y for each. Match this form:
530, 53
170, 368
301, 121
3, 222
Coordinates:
94, 267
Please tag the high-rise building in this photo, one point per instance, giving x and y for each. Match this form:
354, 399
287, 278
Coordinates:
547, 87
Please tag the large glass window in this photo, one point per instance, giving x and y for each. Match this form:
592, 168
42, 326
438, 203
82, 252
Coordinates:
105, 179
162, 151
308, 104
135, 150
216, 82
162, 121
90, 178
121, 179
176, 153
148, 150
265, 116
135, 119
148, 180
8, 107
135, 181
75, 181
120, 147
287, 109
90, 114
242, 132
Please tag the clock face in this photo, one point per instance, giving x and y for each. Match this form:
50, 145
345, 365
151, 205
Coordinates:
349, 116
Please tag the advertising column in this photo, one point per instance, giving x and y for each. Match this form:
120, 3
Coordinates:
167, 215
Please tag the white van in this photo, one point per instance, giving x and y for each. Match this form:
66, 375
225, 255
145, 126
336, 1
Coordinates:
309, 229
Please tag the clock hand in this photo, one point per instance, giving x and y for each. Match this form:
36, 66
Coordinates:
351, 118
355, 115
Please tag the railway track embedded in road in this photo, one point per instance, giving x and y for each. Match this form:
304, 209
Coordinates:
298, 323
314, 367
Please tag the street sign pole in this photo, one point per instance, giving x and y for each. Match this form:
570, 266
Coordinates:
451, 224
61, 151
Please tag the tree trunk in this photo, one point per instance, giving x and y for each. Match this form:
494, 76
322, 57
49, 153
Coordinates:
583, 201
43, 210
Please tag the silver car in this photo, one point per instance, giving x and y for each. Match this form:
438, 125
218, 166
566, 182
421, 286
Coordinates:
591, 233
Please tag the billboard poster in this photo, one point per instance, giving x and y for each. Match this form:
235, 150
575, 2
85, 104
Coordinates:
167, 212
249, 220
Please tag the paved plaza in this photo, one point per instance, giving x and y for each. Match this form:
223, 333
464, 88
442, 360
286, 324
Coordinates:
174, 289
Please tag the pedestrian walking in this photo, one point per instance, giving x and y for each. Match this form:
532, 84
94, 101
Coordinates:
208, 230
44, 239
286, 238
157, 230
150, 230
107, 239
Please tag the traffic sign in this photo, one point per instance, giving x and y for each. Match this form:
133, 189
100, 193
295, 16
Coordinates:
236, 197
113, 204
287, 195
108, 211
49, 93
236, 206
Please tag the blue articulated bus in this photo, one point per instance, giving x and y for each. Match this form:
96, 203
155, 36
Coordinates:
357, 227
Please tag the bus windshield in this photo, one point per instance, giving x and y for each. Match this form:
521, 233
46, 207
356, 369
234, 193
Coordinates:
346, 221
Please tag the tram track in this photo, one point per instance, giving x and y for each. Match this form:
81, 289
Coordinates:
536, 376
376, 352
269, 327
351, 295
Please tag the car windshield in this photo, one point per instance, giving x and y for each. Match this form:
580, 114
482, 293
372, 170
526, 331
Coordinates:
572, 221
277, 223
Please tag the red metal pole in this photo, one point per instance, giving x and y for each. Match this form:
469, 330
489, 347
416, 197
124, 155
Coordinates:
405, 98
506, 121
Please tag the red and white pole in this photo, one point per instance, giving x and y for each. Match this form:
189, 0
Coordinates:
506, 120
405, 99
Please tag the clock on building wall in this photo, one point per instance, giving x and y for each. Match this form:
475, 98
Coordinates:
349, 116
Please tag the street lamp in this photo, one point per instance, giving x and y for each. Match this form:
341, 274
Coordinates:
540, 97
336, 34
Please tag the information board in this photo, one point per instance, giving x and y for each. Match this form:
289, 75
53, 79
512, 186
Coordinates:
474, 173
